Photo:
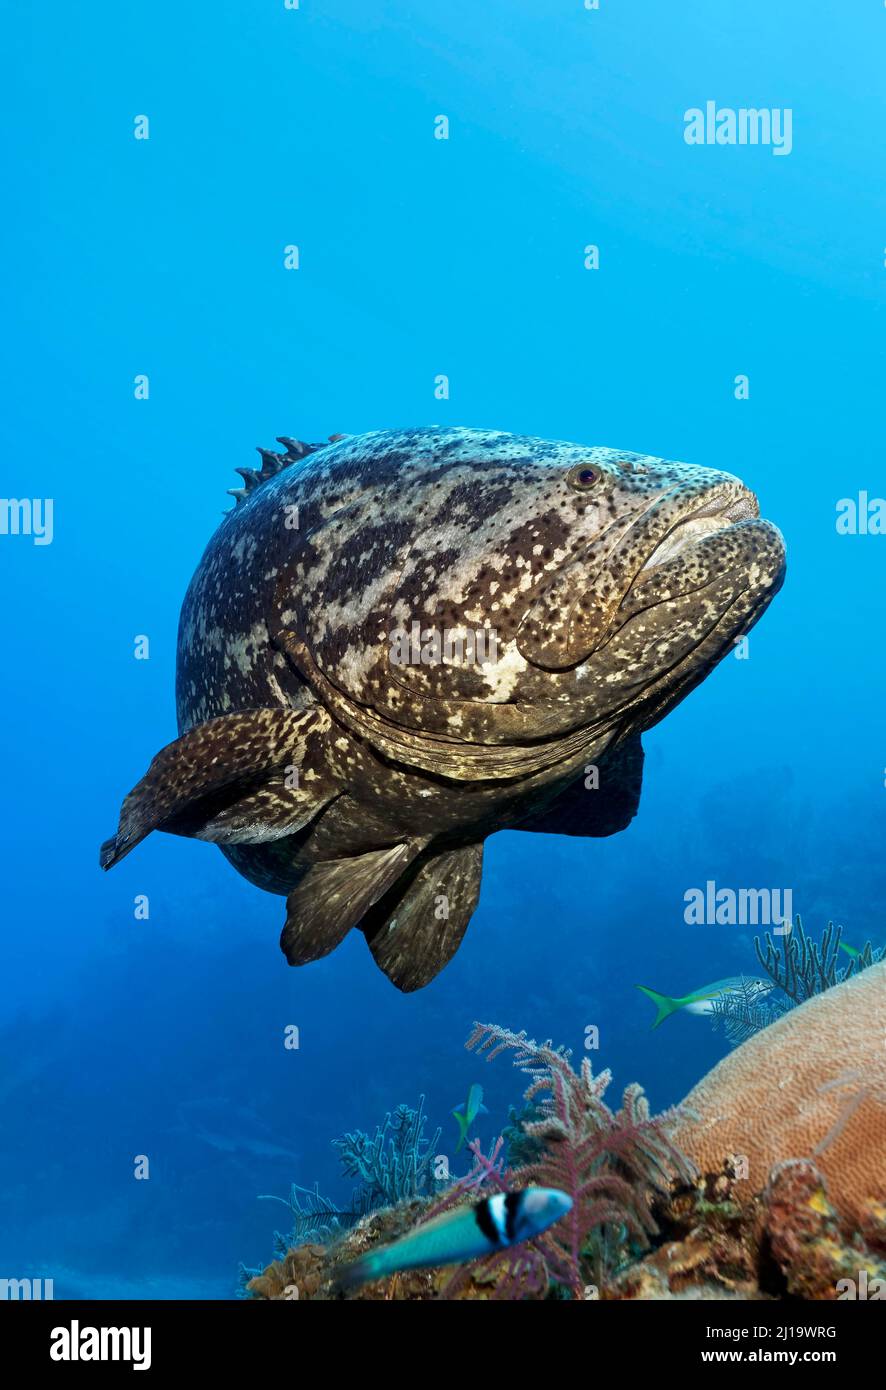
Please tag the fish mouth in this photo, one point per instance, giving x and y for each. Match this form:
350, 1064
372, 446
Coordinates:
718, 543
705, 582
717, 514
708, 537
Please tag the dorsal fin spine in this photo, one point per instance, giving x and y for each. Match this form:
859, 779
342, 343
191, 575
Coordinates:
272, 463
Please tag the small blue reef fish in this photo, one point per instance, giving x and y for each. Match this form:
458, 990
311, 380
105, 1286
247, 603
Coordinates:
466, 1113
467, 1233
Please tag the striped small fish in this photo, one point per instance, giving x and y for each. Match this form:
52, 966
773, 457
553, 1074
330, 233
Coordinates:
467, 1233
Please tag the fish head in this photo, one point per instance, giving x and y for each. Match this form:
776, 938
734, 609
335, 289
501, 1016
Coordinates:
610, 582
666, 566
497, 588
539, 1208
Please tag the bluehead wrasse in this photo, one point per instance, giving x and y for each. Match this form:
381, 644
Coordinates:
465, 1233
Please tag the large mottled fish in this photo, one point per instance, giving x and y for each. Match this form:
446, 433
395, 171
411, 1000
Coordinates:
466, 1233
400, 642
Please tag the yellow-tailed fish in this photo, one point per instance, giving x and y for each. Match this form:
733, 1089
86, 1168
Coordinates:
701, 1001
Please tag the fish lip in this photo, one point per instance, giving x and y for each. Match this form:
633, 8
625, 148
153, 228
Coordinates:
671, 685
621, 561
729, 504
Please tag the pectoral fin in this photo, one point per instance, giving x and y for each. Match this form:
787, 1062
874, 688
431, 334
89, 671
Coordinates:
418, 927
334, 895
595, 805
246, 777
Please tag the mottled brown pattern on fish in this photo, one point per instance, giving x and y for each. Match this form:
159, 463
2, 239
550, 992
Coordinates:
611, 583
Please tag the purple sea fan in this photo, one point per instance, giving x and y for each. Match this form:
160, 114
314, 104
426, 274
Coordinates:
612, 1164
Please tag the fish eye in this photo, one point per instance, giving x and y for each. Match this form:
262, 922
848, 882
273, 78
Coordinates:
584, 477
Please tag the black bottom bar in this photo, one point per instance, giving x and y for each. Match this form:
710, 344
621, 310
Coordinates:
164, 1337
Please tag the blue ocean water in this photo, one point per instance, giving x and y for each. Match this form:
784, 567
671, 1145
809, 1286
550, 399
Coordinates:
314, 127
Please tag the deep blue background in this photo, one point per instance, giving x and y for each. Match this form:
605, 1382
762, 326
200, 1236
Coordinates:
418, 257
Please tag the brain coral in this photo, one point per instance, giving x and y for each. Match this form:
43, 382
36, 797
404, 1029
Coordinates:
811, 1085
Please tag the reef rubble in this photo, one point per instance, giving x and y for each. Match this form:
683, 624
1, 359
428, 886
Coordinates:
788, 1242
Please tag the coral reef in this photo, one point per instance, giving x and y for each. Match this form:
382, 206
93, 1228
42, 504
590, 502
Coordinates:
811, 1086
767, 1183
614, 1165
710, 1249
746, 1011
788, 1242
805, 1240
617, 1167
300, 1274
393, 1165
804, 968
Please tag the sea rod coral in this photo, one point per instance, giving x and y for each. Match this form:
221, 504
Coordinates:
798, 968
393, 1165
802, 967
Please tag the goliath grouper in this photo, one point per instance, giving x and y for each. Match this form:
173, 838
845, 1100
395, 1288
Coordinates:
400, 642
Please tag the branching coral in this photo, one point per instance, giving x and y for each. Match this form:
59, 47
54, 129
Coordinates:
613, 1165
745, 1011
394, 1164
520, 1147
804, 968
799, 970
314, 1217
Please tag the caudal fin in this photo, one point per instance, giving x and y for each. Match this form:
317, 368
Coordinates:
356, 1272
663, 1002
464, 1125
